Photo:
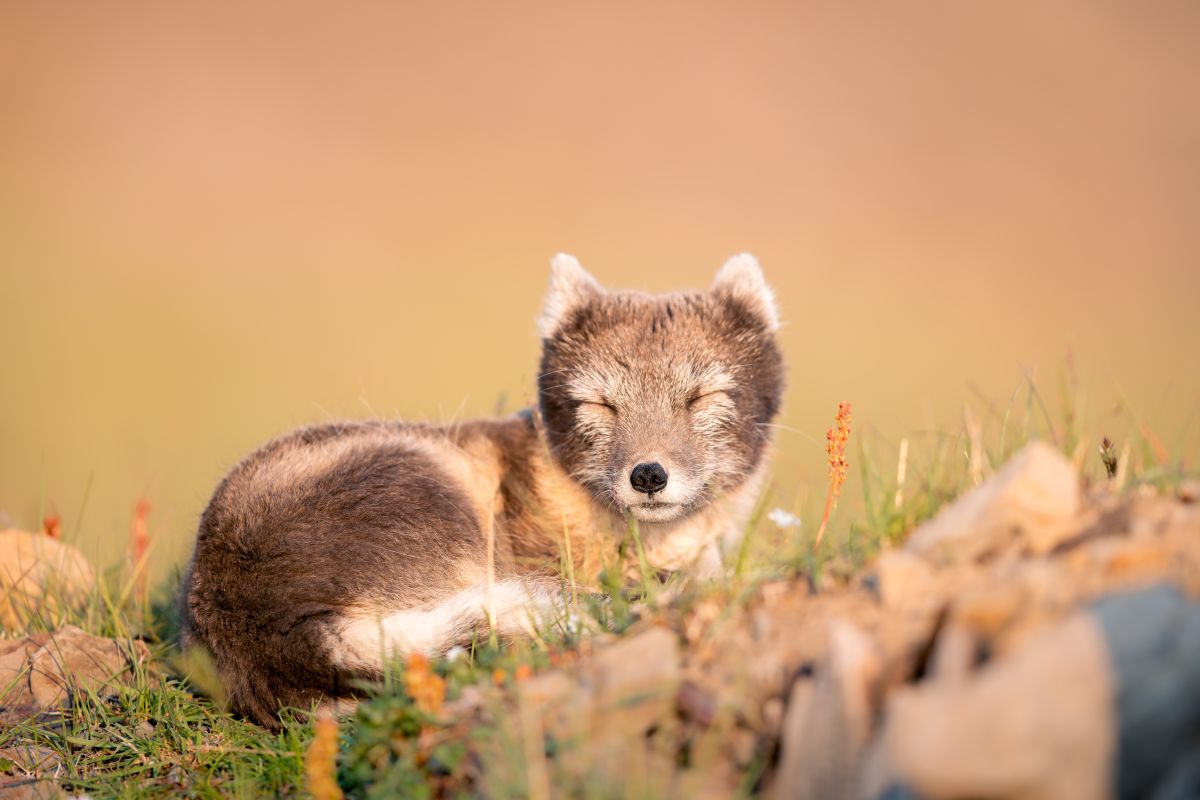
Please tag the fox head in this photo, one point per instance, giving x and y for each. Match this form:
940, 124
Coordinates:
657, 404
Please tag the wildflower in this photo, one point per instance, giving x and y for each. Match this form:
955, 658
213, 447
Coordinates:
784, 519
426, 688
835, 446
456, 652
320, 762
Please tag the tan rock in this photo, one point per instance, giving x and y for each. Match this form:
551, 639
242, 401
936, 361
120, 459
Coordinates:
27, 759
829, 720
1037, 725
904, 579
989, 609
1131, 560
634, 682
22, 788
565, 709
16, 700
76, 661
39, 577
600, 716
39, 673
1035, 500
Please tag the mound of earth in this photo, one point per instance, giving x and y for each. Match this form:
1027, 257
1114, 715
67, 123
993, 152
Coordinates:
1035, 640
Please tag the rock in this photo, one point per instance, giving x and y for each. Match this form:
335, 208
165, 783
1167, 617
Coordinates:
1189, 492
76, 661
634, 683
1131, 560
41, 672
565, 709
697, 704
1153, 639
1038, 724
26, 759
954, 654
30, 789
600, 718
829, 720
987, 610
23, 768
40, 577
794, 744
1035, 499
903, 578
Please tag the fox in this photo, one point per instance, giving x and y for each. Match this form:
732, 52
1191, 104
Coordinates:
339, 546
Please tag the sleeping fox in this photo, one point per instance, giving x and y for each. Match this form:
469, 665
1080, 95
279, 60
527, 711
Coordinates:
338, 546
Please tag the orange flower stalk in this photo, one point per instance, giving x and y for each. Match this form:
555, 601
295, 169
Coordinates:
835, 446
320, 762
52, 526
139, 548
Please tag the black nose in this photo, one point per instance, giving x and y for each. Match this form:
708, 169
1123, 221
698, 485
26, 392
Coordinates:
648, 478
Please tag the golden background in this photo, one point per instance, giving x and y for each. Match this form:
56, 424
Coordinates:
218, 221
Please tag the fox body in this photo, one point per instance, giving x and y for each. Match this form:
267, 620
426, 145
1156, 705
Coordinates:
338, 546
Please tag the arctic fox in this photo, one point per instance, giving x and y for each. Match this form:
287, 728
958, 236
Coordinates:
338, 546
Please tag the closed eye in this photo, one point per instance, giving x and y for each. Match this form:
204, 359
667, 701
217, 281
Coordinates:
701, 397
604, 404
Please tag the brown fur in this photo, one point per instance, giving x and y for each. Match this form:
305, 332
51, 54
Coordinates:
330, 527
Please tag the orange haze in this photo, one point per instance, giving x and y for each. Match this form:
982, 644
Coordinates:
219, 220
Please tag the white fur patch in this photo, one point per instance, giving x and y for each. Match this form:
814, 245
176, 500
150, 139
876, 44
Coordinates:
570, 287
372, 641
742, 278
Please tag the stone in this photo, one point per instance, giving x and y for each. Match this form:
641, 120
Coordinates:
987, 610
1189, 492
697, 704
41, 672
21, 788
829, 720
1034, 500
1038, 724
75, 661
565, 710
599, 717
634, 682
39, 578
1153, 639
26, 759
903, 578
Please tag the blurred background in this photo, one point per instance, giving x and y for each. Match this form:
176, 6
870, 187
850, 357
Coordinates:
219, 221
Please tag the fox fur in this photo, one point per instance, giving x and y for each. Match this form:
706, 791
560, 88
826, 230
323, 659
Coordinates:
338, 546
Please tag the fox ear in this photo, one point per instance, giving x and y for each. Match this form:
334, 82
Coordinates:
570, 287
741, 279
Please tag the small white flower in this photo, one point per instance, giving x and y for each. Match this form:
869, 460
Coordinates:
455, 653
784, 519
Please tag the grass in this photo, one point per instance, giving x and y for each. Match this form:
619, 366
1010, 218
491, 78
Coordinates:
166, 734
